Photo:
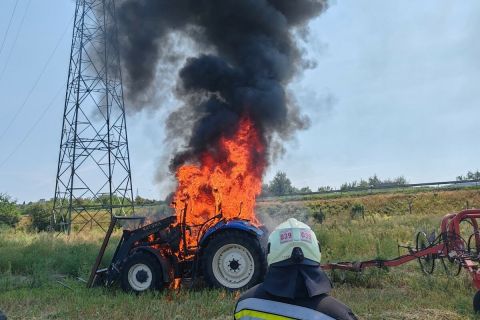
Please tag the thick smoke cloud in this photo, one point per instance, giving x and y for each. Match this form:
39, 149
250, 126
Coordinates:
247, 56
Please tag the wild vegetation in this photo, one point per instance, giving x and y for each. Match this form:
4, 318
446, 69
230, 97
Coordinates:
470, 175
9, 213
41, 274
281, 185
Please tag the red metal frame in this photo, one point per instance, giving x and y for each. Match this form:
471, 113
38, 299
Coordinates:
451, 245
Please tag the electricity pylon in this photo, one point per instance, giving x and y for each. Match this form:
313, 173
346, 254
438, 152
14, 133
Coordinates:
93, 176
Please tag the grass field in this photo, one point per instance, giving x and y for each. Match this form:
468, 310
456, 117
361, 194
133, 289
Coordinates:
38, 272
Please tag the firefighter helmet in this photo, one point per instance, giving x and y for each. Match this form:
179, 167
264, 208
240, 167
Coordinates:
293, 242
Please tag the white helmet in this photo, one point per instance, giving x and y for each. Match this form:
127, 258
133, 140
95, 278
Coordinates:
293, 239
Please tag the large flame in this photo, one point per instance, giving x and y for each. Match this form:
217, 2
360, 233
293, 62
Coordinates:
226, 182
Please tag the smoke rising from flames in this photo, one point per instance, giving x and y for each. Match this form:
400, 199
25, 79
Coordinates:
233, 89
251, 56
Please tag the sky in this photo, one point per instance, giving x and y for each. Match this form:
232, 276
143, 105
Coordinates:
394, 92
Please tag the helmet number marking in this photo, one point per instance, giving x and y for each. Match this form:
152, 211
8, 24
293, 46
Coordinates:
306, 235
286, 236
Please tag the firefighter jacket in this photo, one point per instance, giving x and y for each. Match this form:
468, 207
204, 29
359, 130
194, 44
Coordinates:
292, 291
258, 304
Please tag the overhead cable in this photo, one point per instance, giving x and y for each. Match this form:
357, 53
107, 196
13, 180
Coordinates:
8, 27
29, 132
19, 110
15, 39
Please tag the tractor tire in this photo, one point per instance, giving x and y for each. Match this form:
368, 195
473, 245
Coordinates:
476, 302
141, 272
233, 260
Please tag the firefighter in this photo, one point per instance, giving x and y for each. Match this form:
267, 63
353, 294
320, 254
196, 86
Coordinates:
295, 286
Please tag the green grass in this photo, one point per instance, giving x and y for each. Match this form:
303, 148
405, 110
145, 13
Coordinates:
39, 272
386, 296
57, 302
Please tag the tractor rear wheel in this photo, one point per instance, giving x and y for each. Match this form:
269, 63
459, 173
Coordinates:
141, 272
233, 260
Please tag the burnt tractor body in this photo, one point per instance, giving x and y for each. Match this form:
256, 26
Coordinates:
226, 253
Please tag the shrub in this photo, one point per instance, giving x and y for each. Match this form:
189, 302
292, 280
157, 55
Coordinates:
9, 213
319, 215
41, 215
358, 210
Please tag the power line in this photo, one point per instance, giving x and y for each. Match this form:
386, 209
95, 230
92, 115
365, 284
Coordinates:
19, 110
8, 28
29, 132
15, 40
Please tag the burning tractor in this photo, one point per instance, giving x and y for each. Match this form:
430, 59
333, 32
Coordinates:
214, 234
227, 253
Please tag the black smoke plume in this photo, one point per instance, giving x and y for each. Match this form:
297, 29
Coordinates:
247, 54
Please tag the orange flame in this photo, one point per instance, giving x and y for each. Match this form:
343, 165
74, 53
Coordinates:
227, 182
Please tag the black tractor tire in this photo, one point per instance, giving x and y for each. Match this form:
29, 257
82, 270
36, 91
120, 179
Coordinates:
141, 272
476, 302
233, 260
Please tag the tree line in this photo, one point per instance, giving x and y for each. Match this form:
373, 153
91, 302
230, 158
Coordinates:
374, 182
470, 175
281, 185
40, 211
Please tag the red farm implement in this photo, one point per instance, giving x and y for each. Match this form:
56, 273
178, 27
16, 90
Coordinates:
456, 247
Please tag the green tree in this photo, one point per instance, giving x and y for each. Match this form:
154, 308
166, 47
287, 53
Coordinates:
305, 190
401, 181
348, 186
41, 215
374, 181
280, 185
139, 201
324, 189
265, 190
9, 213
363, 184
471, 175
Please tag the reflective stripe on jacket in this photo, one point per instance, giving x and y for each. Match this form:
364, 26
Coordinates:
262, 309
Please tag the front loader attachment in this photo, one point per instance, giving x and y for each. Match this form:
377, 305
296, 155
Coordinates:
95, 271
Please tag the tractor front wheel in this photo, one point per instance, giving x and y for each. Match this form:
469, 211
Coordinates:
141, 272
476, 302
233, 260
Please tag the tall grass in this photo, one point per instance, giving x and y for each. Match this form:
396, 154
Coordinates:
34, 259
38, 272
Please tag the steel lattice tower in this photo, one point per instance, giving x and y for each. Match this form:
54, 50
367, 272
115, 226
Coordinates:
93, 175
